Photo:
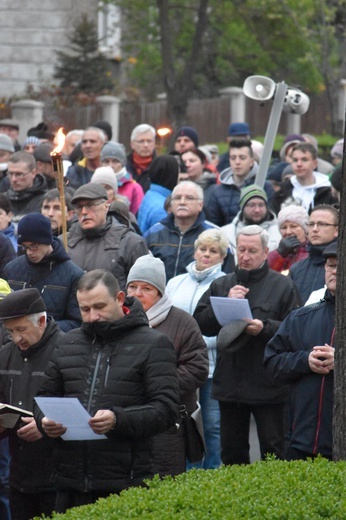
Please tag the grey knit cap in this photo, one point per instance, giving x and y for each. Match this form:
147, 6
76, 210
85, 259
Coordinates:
113, 150
148, 269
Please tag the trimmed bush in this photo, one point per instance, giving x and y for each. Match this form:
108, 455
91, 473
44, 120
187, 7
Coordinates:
271, 490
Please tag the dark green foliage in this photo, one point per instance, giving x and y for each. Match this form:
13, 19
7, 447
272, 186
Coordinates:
84, 68
272, 490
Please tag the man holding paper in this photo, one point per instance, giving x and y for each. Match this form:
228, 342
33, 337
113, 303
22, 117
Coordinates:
240, 382
23, 362
124, 374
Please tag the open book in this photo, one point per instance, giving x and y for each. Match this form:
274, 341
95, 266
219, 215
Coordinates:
9, 415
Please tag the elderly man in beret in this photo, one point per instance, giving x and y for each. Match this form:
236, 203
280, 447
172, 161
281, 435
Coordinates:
99, 240
23, 361
46, 266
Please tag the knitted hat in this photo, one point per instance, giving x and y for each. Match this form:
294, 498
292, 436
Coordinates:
112, 150
42, 152
148, 269
105, 175
238, 129
21, 303
35, 227
248, 192
189, 132
89, 191
289, 141
296, 214
338, 149
6, 144
335, 177
105, 127
31, 140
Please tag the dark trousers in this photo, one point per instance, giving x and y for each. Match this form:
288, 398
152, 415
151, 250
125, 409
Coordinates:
235, 430
25, 506
65, 499
294, 454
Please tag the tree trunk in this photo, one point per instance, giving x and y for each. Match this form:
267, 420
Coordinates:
339, 412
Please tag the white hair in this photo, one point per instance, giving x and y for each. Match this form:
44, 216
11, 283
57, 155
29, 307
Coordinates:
141, 129
98, 130
200, 192
34, 318
255, 230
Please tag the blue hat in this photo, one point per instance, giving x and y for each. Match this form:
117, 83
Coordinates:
35, 227
238, 129
190, 132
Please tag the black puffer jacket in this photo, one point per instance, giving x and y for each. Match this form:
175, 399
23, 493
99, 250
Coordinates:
239, 374
56, 278
114, 247
129, 368
20, 375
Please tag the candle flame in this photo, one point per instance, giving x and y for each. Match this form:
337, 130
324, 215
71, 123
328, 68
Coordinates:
162, 132
60, 139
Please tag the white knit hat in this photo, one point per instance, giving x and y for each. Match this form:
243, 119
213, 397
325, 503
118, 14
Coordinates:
105, 175
294, 213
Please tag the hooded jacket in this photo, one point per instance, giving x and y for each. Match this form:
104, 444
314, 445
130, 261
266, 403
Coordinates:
123, 366
20, 375
311, 394
308, 196
223, 203
56, 277
28, 200
78, 174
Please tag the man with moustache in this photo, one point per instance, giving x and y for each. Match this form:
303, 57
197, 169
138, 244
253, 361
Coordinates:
98, 240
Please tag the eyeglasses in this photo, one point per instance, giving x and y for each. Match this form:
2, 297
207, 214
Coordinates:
144, 141
331, 267
320, 224
88, 206
19, 175
253, 205
188, 198
33, 247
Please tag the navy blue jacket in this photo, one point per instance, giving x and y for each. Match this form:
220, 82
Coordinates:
174, 248
286, 357
56, 278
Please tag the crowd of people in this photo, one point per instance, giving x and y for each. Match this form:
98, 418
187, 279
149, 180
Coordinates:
124, 319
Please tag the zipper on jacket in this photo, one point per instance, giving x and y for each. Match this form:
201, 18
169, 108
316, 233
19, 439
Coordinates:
93, 383
178, 254
107, 370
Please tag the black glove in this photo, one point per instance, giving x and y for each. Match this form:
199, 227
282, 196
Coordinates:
287, 246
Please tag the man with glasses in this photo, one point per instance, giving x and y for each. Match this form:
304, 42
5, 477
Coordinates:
301, 354
27, 187
99, 240
143, 153
308, 274
172, 239
47, 267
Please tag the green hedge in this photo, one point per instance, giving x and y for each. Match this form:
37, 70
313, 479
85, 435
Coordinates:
271, 490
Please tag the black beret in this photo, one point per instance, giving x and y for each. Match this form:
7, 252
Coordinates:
21, 303
331, 250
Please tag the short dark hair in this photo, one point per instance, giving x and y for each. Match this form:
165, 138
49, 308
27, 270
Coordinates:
26, 157
5, 203
240, 142
327, 207
99, 276
54, 194
305, 147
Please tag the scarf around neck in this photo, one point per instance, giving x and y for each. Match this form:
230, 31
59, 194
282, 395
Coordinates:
159, 312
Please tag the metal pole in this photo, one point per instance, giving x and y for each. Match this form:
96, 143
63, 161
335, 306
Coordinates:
271, 132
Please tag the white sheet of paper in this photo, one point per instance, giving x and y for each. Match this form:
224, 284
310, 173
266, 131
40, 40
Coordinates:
69, 412
227, 310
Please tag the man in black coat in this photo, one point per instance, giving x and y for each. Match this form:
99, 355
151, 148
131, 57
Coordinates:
23, 362
240, 382
124, 373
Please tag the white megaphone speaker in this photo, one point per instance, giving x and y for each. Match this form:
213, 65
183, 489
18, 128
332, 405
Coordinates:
296, 102
260, 88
